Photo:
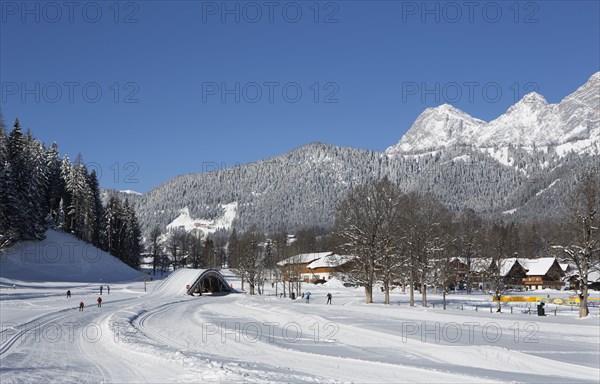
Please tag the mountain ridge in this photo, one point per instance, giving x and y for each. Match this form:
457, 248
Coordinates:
530, 121
524, 180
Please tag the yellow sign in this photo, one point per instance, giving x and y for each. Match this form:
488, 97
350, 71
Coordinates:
508, 299
571, 300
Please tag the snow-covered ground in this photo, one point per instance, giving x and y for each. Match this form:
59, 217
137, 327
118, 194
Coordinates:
139, 336
161, 336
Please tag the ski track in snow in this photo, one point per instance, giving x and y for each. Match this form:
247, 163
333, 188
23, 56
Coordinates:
139, 337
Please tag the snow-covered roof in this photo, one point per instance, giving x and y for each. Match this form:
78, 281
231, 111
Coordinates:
304, 258
533, 267
564, 266
507, 264
330, 261
537, 267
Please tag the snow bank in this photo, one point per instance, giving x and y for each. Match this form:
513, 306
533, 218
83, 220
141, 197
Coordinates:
61, 257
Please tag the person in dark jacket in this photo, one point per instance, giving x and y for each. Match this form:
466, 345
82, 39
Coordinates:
99, 301
69, 294
329, 298
100, 290
80, 306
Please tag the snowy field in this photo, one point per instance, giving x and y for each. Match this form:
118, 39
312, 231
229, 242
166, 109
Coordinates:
164, 337
139, 336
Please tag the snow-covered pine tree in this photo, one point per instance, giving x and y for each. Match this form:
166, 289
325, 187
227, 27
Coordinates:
7, 203
66, 196
18, 184
132, 237
81, 211
112, 226
95, 209
37, 185
9, 207
55, 182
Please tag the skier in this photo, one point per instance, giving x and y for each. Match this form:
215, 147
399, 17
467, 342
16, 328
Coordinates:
80, 306
100, 290
329, 298
307, 297
108, 289
68, 294
99, 301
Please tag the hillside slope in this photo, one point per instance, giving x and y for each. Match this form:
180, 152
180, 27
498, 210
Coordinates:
61, 257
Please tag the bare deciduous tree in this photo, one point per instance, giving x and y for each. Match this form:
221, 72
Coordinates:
367, 221
584, 230
249, 263
468, 242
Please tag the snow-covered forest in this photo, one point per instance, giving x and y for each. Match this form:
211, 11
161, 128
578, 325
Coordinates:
40, 189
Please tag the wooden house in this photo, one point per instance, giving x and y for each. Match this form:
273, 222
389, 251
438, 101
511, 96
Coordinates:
295, 268
329, 266
544, 272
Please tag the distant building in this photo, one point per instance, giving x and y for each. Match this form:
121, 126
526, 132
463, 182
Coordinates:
295, 268
314, 267
544, 272
329, 266
521, 273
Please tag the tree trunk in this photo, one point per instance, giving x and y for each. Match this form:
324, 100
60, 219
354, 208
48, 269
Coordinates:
444, 298
251, 288
583, 301
368, 293
387, 292
468, 276
412, 293
423, 294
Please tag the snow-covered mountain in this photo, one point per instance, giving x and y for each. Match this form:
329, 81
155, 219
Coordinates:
530, 122
442, 126
518, 166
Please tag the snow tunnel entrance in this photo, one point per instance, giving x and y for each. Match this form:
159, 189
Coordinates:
210, 282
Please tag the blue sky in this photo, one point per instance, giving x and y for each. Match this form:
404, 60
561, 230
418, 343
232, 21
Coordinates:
147, 90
